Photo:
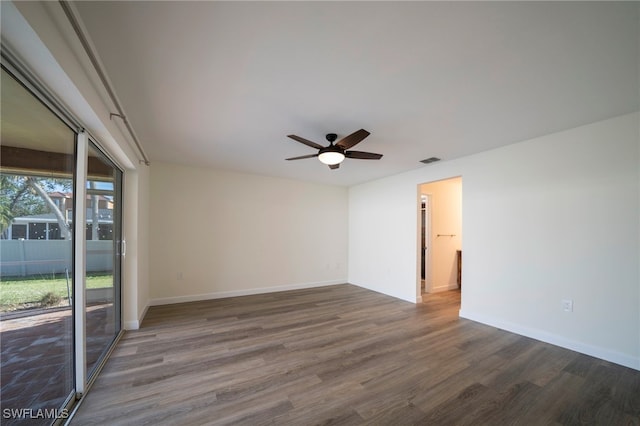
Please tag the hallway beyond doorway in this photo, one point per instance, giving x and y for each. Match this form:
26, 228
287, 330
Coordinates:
440, 229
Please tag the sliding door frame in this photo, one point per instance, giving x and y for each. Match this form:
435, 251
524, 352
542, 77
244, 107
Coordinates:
118, 246
14, 66
80, 263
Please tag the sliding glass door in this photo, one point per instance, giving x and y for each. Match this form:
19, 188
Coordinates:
103, 249
36, 287
60, 249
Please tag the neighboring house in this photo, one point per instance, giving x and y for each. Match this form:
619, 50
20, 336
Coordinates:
64, 201
46, 227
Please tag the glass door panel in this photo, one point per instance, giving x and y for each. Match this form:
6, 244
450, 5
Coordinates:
103, 234
37, 167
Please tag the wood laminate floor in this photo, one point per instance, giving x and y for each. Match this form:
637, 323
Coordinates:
343, 355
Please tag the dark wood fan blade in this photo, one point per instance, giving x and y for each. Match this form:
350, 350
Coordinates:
354, 138
303, 156
362, 155
334, 166
305, 141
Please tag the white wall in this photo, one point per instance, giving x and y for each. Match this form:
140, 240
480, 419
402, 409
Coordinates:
446, 221
142, 250
383, 218
544, 220
216, 233
135, 285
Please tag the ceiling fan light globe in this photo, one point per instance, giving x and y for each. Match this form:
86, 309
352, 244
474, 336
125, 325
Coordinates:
331, 158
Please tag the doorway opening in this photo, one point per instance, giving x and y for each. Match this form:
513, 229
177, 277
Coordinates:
425, 235
440, 236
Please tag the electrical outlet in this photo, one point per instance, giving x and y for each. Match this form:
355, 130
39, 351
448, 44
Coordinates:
567, 305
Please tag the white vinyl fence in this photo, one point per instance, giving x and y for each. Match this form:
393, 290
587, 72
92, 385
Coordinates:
42, 257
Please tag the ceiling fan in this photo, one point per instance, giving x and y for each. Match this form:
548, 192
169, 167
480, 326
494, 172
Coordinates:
333, 155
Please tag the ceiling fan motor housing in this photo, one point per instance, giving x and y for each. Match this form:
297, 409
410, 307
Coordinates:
331, 148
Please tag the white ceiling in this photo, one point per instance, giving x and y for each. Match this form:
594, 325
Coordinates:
221, 84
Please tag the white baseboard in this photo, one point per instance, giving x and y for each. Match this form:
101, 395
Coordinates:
445, 287
554, 339
132, 325
235, 293
135, 325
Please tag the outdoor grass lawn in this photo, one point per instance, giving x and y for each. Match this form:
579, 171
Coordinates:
22, 292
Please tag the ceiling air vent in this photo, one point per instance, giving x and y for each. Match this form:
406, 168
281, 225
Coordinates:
430, 160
